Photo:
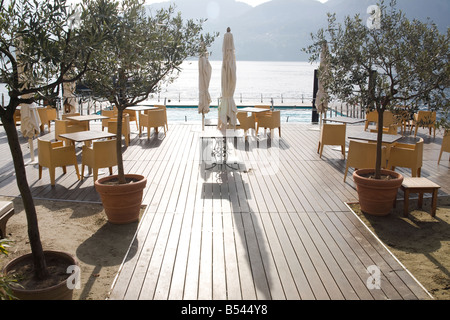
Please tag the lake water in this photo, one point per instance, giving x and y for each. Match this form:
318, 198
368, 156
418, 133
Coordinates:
188, 114
258, 82
287, 84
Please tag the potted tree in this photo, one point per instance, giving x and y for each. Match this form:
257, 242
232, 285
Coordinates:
384, 61
49, 47
141, 51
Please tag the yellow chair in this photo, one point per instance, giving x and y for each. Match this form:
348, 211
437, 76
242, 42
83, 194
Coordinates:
64, 126
332, 134
246, 122
152, 119
55, 154
46, 115
407, 156
126, 132
110, 114
269, 120
390, 125
102, 154
79, 124
371, 116
257, 114
424, 119
445, 145
133, 117
16, 116
362, 155
164, 108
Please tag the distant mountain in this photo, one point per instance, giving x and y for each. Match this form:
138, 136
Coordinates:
277, 30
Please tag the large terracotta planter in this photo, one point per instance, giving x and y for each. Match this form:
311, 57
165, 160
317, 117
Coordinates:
122, 202
377, 196
60, 291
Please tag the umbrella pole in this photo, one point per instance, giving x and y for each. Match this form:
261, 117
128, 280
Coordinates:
33, 160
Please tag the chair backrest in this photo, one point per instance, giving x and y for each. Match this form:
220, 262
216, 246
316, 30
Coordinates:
332, 133
131, 113
105, 154
419, 152
44, 152
388, 118
51, 113
245, 121
156, 118
109, 113
363, 154
71, 122
43, 115
112, 124
16, 116
446, 142
426, 117
372, 116
164, 108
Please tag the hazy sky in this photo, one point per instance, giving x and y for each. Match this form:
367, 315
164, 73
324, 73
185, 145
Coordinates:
250, 2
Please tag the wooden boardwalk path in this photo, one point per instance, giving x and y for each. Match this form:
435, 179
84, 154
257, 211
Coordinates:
278, 227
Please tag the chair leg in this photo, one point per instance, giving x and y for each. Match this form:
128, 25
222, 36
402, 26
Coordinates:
40, 171
345, 173
440, 155
52, 175
77, 170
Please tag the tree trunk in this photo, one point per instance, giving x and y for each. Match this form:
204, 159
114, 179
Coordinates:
380, 111
37, 252
121, 173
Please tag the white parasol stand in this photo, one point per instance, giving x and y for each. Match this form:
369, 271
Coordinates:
227, 107
29, 119
204, 78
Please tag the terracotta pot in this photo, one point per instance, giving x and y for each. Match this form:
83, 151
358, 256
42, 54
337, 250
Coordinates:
122, 202
60, 291
377, 196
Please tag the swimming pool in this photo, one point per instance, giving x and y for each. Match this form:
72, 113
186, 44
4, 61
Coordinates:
190, 114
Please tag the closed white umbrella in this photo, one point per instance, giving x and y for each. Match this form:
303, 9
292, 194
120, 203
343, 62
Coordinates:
322, 96
227, 107
29, 125
69, 98
204, 78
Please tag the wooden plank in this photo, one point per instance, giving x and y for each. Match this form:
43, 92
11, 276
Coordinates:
243, 234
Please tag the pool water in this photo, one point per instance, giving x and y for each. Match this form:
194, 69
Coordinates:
186, 114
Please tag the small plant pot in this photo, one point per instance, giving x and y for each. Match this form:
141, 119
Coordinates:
60, 291
122, 202
377, 196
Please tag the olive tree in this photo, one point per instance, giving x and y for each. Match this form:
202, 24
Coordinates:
389, 61
141, 52
38, 38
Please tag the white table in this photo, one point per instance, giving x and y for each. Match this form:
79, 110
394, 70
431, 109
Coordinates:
87, 118
220, 150
372, 136
345, 120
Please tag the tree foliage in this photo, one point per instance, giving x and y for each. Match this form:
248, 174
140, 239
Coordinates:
39, 50
396, 62
141, 52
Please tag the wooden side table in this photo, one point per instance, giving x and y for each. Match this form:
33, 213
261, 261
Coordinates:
419, 185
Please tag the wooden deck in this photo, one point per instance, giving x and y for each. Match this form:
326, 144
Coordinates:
276, 228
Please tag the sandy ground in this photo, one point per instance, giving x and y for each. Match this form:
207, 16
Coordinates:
420, 242
80, 229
